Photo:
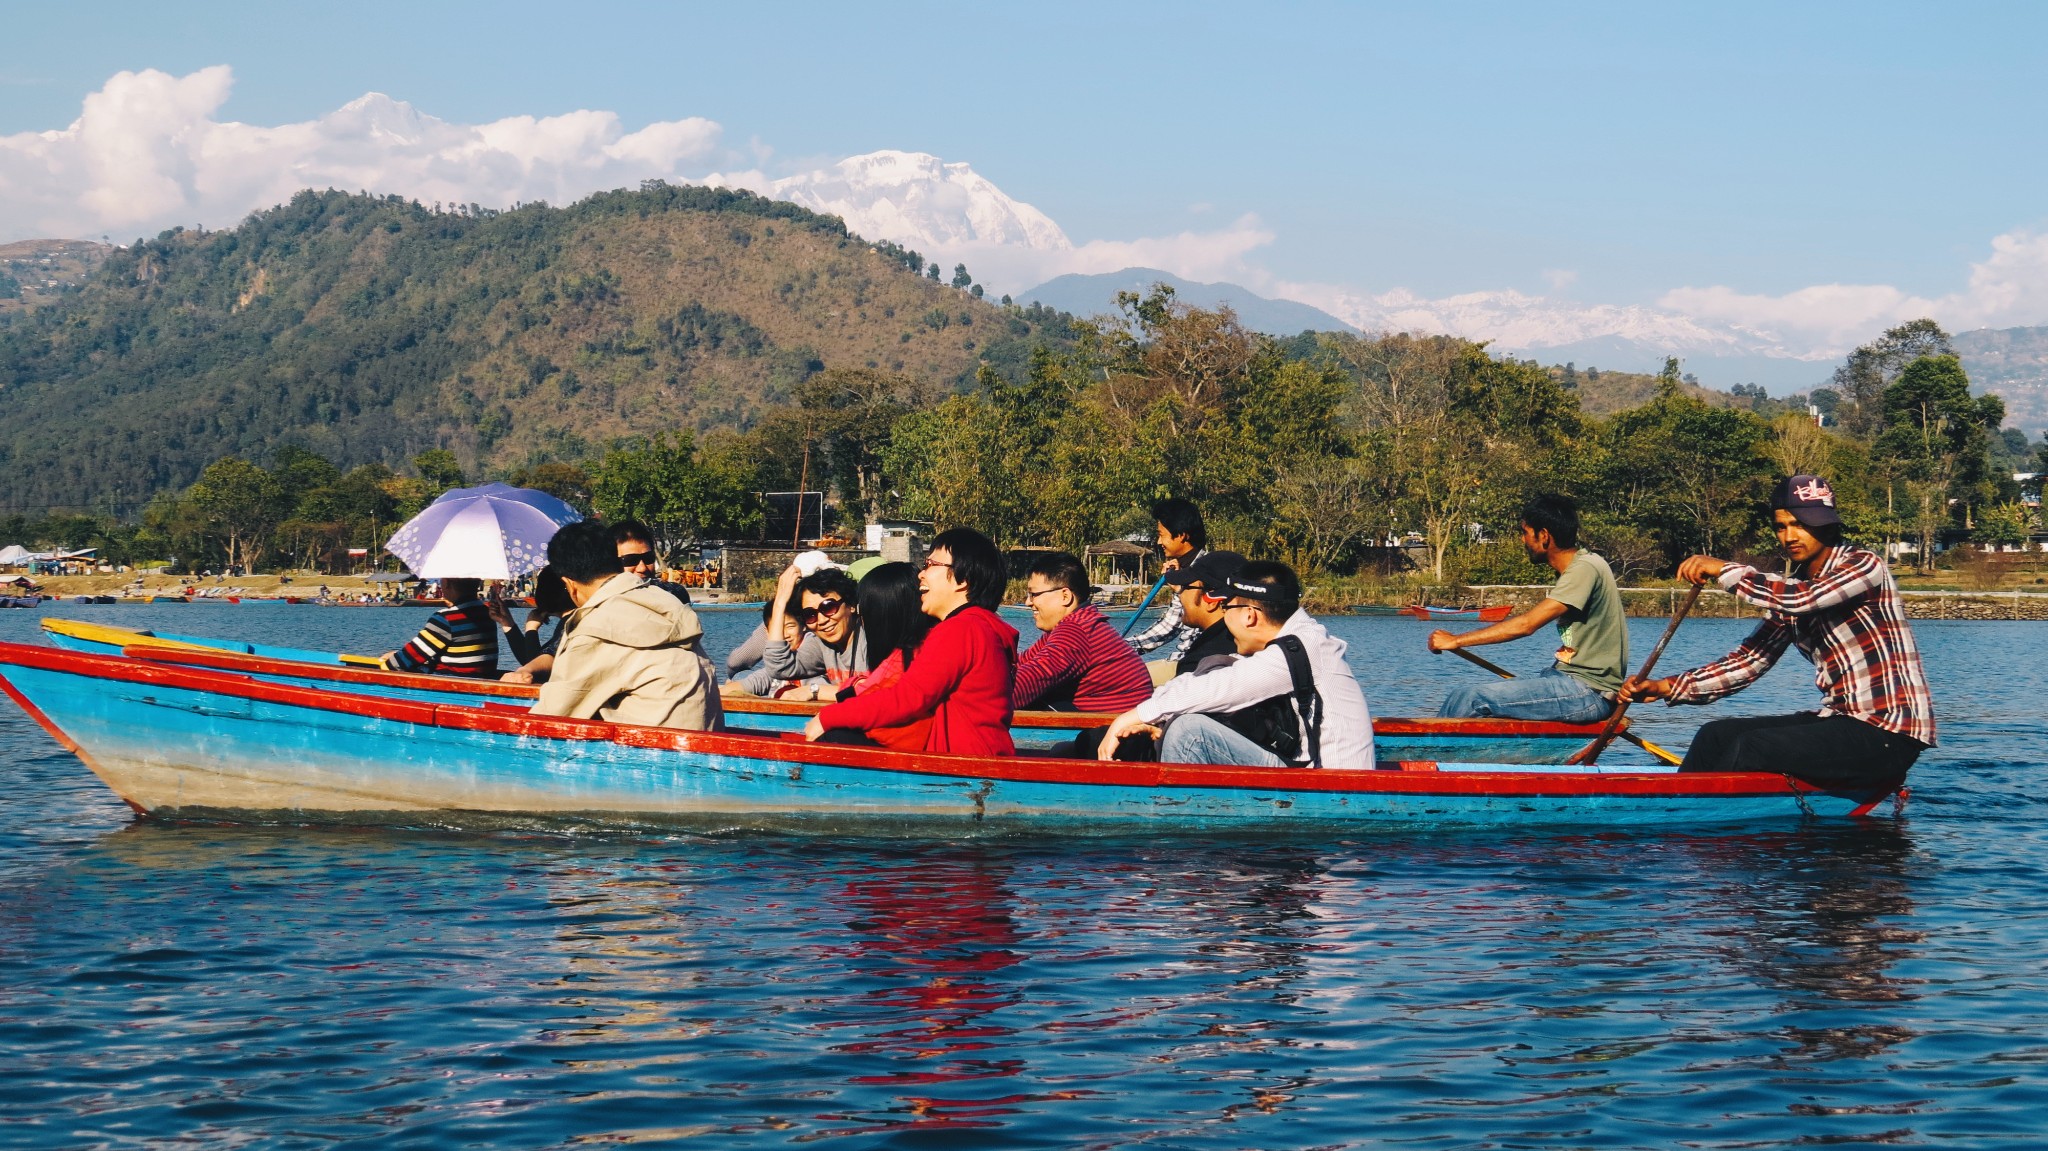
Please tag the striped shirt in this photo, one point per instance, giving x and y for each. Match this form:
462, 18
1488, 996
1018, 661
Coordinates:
460, 640
1847, 619
1081, 663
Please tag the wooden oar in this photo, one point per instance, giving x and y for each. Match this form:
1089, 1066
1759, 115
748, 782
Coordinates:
1591, 752
1630, 736
1142, 605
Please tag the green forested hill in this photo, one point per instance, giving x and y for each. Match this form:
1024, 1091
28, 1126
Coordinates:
368, 329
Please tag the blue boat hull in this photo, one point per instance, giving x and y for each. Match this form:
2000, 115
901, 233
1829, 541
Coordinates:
191, 743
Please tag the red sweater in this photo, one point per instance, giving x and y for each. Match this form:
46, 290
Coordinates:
961, 679
1084, 664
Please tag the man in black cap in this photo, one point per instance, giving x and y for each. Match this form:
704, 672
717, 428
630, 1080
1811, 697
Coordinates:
1284, 655
1840, 607
1203, 589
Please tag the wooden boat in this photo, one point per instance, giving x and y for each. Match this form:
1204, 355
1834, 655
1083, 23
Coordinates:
184, 741
1375, 609
168, 599
1494, 614
1475, 740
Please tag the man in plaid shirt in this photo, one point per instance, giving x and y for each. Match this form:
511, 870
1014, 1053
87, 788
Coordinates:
1842, 610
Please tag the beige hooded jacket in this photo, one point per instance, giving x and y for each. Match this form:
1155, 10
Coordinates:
631, 654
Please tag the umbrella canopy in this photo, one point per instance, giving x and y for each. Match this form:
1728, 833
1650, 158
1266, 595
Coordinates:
491, 532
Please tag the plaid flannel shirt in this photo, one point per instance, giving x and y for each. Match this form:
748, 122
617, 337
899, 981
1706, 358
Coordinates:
1170, 625
1847, 619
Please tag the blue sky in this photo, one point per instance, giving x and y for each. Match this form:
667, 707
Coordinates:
1602, 153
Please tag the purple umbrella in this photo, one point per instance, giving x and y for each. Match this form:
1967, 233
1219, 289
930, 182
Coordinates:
491, 532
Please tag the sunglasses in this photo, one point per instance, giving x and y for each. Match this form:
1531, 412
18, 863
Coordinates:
825, 607
635, 559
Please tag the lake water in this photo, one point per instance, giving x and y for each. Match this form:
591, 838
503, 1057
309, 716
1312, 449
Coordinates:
1797, 984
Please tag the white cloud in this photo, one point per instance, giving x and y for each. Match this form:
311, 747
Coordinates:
147, 152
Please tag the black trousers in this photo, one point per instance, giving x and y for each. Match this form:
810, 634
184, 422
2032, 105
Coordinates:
1834, 751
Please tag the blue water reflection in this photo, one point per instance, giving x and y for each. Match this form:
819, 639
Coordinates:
196, 985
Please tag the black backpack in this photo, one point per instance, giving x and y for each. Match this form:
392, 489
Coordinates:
1276, 724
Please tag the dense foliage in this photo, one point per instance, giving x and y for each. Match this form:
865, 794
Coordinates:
1333, 451
370, 329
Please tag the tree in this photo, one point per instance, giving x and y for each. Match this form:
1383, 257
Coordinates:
439, 469
1859, 383
662, 482
2007, 524
566, 482
960, 277
240, 504
1935, 438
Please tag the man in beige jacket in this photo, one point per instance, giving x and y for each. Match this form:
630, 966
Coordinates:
630, 652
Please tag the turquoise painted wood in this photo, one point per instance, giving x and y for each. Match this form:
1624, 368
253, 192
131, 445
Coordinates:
1458, 741
179, 741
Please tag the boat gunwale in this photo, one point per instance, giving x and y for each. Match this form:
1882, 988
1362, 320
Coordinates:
758, 705
1402, 777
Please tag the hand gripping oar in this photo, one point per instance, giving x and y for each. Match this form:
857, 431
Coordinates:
1591, 752
1143, 604
1630, 736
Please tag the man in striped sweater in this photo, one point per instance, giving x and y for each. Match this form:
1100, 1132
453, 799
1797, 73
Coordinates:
1080, 663
459, 640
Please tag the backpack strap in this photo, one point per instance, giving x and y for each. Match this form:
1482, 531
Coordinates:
1308, 702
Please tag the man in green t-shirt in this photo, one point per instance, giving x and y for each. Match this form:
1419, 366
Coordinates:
1592, 654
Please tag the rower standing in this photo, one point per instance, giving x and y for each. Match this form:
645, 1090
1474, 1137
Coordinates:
1842, 610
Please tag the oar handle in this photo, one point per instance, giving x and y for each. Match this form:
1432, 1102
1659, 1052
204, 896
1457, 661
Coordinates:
1142, 605
1489, 665
1593, 750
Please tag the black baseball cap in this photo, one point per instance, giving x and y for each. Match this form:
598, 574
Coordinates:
1212, 570
1809, 498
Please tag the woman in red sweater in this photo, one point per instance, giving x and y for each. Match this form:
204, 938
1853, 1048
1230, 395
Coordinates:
961, 677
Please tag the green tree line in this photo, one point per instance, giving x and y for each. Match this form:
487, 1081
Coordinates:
1332, 450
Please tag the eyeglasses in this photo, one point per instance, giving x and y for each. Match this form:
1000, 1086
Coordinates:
1246, 605
1030, 596
825, 607
635, 559
936, 564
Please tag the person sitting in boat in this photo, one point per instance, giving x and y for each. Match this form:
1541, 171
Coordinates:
1201, 589
1592, 631
833, 648
628, 653
457, 640
751, 674
1080, 663
535, 655
1284, 655
1842, 610
961, 677
893, 619
635, 541
1182, 536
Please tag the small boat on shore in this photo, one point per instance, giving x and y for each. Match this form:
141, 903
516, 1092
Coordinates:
1493, 614
193, 742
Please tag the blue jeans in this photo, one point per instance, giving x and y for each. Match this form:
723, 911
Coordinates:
1550, 695
1200, 739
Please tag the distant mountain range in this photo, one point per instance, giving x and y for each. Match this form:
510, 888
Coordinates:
1089, 295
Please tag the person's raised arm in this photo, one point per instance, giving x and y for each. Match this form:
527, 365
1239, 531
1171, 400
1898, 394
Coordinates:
1512, 628
1857, 574
1725, 676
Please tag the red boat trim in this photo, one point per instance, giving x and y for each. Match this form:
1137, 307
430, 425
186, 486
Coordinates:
771, 753
754, 705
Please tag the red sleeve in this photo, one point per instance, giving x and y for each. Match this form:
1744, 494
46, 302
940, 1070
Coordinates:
938, 669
